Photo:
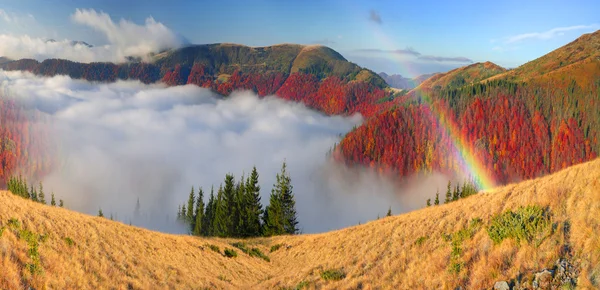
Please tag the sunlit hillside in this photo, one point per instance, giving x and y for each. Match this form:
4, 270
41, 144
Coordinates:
578, 60
463, 243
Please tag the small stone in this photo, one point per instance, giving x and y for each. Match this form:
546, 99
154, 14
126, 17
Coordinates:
501, 285
543, 279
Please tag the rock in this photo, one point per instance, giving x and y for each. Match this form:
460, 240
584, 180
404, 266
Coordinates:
501, 285
543, 280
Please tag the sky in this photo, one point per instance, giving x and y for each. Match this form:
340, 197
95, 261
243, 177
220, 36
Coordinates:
405, 37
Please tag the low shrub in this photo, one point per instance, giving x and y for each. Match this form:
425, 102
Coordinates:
230, 253
301, 285
333, 275
421, 240
241, 246
255, 252
214, 248
523, 224
275, 248
69, 241
14, 223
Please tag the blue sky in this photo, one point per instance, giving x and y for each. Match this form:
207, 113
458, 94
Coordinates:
406, 37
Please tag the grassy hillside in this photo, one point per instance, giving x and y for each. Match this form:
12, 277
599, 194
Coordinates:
462, 76
439, 247
578, 60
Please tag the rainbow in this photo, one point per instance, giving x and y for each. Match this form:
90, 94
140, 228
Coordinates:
468, 162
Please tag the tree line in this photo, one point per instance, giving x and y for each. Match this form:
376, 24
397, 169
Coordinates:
236, 209
468, 188
18, 186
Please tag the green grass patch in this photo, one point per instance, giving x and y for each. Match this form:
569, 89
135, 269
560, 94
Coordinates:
214, 248
523, 224
14, 223
69, 241
230, 253
333, 274
456, 240
301, 285
241, 246
33, 242
255, 252
421, 240
275, 247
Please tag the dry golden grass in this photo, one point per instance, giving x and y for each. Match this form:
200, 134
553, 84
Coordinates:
579, 60
382, 254
471, 74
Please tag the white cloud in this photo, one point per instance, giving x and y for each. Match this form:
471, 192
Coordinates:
128, 37
552, 33
124, 38
117, 142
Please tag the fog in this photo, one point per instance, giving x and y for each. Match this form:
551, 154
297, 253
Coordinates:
126, 140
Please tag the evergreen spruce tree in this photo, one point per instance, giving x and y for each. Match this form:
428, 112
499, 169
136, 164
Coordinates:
100, 213
209, 215
52, 200
448, 193
220, 221
138, 208
33, 194
41, 195
389, 212
273, 217
61, 203
189, 215
456, 193
437, 198
284, 191
253, 207
429, 202
183, 213
229, 203
238, 215
179, 212
199, 214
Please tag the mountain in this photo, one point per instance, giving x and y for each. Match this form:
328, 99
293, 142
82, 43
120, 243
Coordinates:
462, 76
400, 82
578, 60
513, 125
4, 60
315, 75
216, 60
511, 234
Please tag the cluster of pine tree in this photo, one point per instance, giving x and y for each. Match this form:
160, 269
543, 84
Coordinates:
18, 186
468, 188
236, 210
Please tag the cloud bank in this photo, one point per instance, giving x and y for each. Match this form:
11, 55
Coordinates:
124, 38
415, 55
123, 141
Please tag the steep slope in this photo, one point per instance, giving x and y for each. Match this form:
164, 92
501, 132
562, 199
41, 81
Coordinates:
578, 60
439, 247
462, 76
516, 127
